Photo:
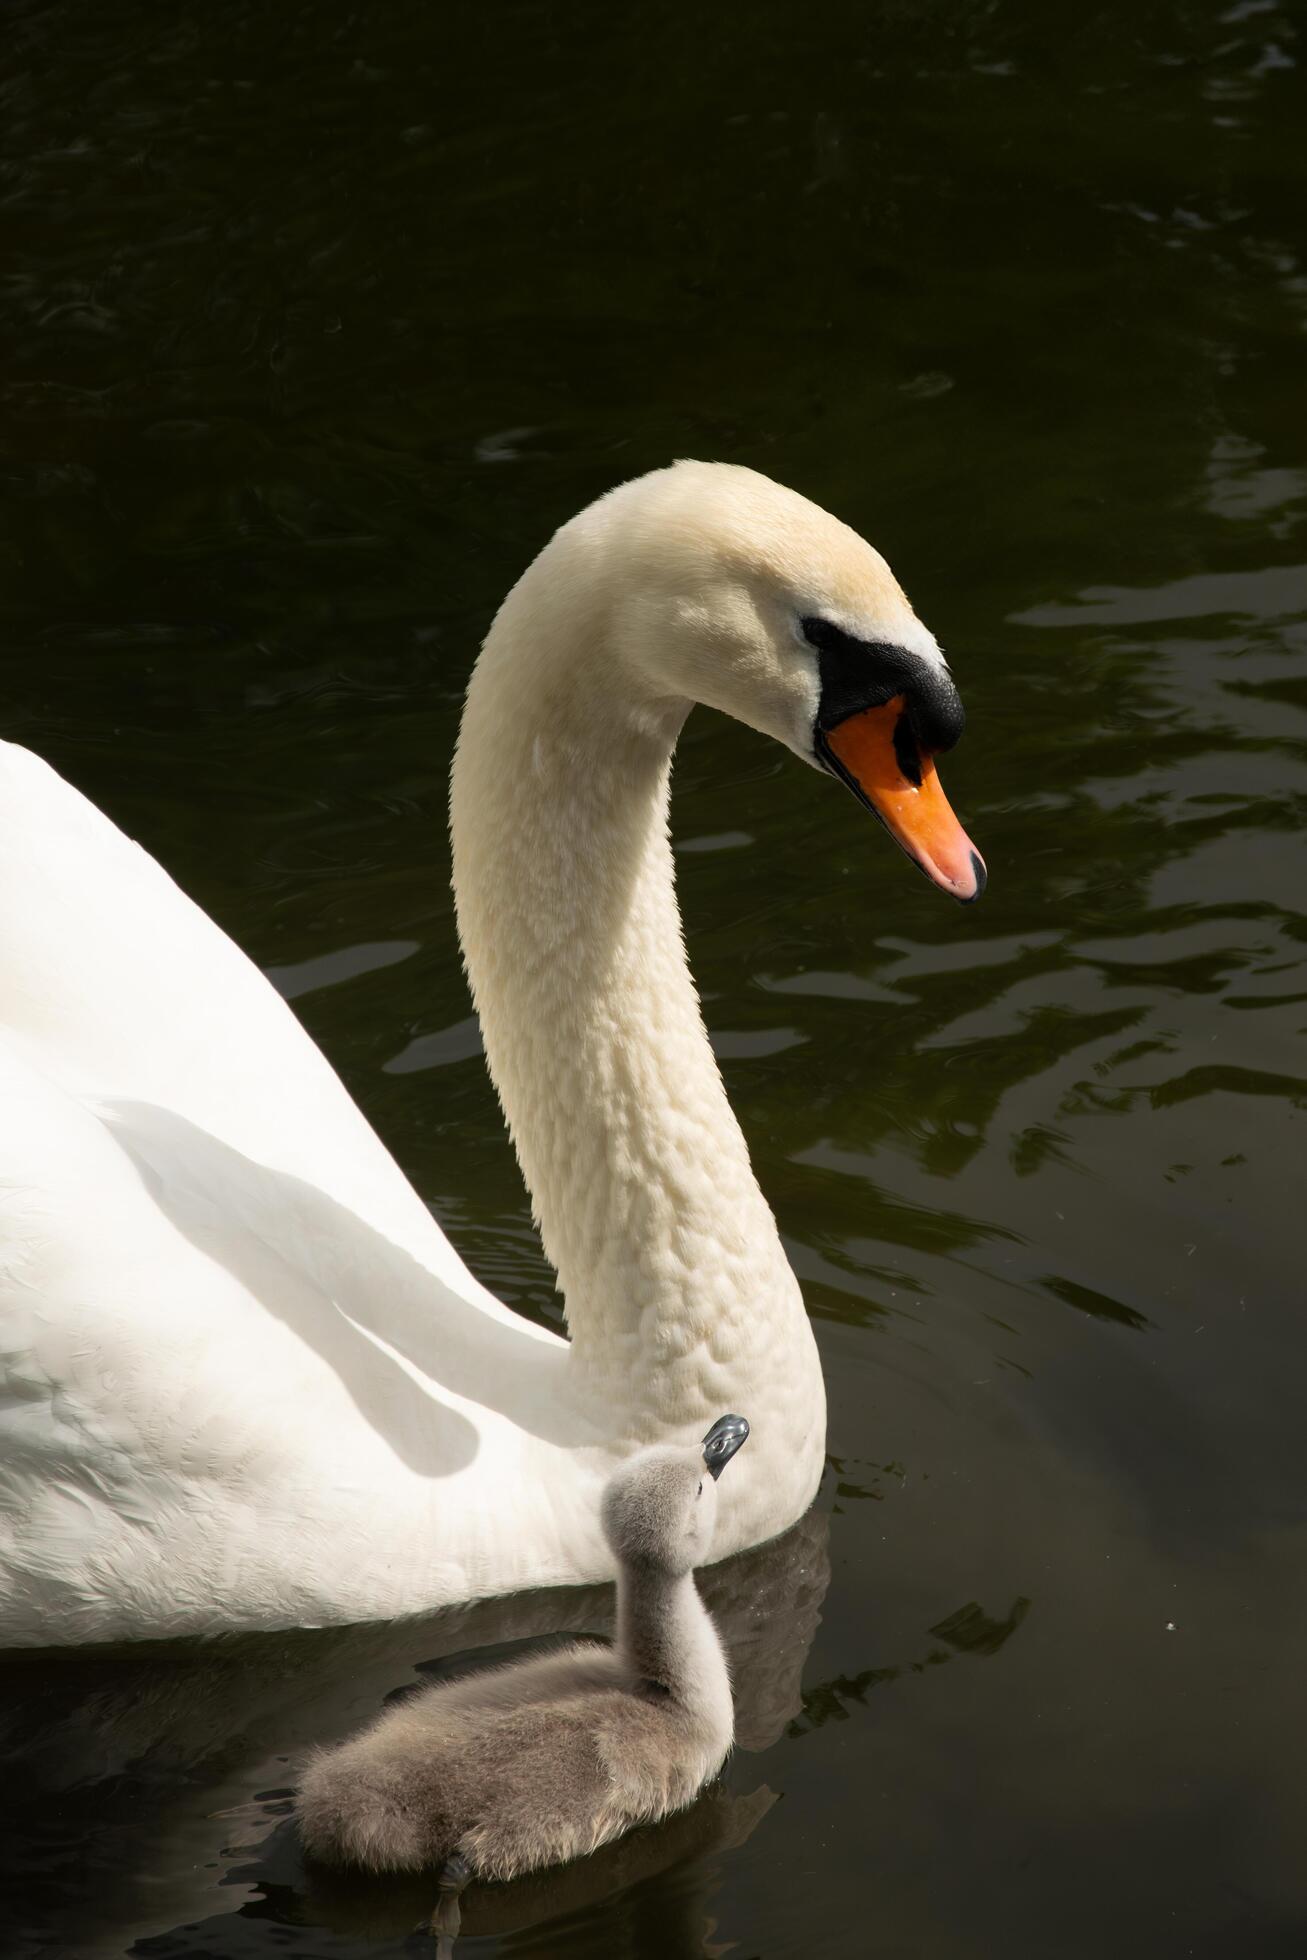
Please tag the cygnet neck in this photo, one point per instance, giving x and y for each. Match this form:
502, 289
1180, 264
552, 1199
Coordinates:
667, 1641
678, 1295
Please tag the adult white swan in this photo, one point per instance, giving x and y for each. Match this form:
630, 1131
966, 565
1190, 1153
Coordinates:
246, 1380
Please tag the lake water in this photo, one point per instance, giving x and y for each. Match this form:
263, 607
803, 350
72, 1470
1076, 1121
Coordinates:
320, 319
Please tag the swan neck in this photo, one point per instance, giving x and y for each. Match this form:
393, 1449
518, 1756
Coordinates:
677, 1293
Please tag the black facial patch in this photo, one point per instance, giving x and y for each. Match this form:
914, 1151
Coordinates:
858, 674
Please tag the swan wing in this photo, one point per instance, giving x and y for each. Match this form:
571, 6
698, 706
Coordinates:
115, 985
235, 1348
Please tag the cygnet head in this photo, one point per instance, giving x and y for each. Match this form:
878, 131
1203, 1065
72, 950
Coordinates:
726, 588
659, 1508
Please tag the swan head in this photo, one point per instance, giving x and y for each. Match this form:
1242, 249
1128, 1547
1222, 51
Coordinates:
743, 595
660, 1506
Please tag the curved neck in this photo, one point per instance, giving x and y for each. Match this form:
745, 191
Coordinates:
675, 1284
666, 1640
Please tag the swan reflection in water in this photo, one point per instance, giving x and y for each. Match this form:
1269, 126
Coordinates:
162, 1776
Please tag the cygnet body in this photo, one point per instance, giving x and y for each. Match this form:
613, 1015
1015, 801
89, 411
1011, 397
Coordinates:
546, 1759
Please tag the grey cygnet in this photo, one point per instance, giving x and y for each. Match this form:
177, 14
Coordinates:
543, 1760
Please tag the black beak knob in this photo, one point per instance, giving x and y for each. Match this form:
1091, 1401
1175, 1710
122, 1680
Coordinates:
726, 1436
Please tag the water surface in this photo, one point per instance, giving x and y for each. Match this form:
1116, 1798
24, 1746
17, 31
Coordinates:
320, 319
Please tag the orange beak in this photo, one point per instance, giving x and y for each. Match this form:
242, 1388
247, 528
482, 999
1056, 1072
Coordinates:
916, 814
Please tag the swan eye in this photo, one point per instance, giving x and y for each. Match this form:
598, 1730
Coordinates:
822, 634
699, 1492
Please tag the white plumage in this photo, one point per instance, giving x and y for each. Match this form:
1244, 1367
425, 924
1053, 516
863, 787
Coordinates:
245, 1381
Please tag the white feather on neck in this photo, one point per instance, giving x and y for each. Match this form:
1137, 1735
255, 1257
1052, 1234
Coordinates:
678, 1295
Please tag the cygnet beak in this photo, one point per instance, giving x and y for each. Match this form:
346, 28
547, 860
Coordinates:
725, 1437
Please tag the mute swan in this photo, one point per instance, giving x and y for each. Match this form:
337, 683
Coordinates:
247, 1382
546, 1759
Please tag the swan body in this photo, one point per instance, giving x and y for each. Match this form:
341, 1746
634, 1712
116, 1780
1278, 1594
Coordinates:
245, 1381
548, 1758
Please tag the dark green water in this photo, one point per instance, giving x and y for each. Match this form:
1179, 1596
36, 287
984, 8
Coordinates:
320, 319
